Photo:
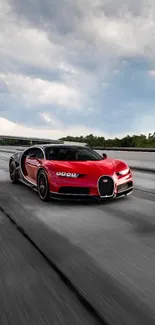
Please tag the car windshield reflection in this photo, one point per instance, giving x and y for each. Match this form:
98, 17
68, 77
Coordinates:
72, 154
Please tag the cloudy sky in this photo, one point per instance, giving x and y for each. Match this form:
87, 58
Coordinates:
77, 67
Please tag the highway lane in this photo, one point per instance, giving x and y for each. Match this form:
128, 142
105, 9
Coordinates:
30, 291
107, 250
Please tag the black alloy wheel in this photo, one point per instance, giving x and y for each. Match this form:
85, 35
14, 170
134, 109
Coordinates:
43, 186
13, 171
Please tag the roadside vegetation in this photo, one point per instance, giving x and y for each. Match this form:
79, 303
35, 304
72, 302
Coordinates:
137, 141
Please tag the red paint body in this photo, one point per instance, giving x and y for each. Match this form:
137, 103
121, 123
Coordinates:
92, 171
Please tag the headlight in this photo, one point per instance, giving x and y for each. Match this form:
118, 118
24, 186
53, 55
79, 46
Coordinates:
64, 174
123, 172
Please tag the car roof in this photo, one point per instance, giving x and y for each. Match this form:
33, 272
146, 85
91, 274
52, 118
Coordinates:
49, 145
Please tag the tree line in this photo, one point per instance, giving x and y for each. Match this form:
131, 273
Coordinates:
139, 141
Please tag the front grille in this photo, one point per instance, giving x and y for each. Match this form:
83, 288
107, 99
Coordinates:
74, 190
124, 187
106, 186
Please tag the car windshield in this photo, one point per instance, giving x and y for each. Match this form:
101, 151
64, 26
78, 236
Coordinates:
71, 154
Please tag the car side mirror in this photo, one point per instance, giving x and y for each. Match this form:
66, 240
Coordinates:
104, 155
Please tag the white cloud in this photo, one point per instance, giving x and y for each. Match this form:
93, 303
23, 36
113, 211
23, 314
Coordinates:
37, 91
47, 117
28, 44
7, 127
23, 45
123, 35
144, 124
51, 121
126, 28
83, 49
151, 73
14, 129
4, 7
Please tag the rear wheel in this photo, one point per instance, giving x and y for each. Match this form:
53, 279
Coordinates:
13, 172
43, 186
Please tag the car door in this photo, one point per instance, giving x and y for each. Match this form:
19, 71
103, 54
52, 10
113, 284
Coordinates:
24, 166
33, 161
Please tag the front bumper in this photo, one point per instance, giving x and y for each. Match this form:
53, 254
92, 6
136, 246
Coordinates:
89, 188
121, 190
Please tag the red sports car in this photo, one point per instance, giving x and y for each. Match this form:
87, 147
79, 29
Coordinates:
69, 171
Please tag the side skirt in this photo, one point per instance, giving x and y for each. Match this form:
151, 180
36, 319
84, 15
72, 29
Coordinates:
33, 187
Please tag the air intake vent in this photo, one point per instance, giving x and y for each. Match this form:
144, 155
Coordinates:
124, 187
74, 190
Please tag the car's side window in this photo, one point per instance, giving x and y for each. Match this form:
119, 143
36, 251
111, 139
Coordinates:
51, 153
27, 152
39, 154
34, 151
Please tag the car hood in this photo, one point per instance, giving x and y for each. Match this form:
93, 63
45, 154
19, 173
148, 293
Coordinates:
107, 166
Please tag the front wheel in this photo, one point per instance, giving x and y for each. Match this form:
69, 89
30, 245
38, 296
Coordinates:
43, 186
13, 172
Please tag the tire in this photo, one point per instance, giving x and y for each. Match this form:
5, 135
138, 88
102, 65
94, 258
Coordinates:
13, 172
43, 186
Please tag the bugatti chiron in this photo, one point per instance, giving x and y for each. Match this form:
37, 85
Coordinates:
70, 171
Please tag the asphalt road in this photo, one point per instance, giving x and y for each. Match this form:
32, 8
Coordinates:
106, 250
30, 291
